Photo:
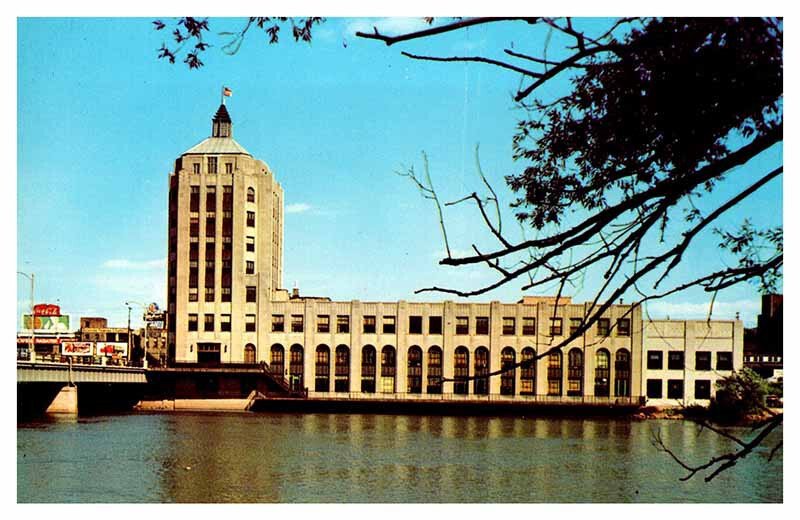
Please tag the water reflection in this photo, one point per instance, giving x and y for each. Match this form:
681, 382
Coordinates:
375, 458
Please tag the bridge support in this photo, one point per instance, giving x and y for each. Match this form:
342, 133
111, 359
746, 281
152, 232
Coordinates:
65, 402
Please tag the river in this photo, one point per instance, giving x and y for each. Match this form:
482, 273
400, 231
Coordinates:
329, 458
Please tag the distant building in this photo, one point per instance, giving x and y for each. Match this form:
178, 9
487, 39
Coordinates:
764, 344
226, 307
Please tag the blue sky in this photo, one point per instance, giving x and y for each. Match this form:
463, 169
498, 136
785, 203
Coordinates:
100, 121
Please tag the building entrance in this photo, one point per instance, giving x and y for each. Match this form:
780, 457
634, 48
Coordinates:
208, 353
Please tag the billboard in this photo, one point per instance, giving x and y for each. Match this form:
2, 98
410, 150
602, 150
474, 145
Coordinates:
46, 309
46, 323
77, 348
111, 349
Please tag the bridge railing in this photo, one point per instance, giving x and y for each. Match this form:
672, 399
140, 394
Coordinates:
78, 360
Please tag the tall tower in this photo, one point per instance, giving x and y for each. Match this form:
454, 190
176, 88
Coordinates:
225, 257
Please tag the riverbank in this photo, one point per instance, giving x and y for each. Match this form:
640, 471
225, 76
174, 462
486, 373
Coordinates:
697, 412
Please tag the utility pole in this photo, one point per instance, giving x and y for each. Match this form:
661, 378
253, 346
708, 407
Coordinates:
31, 348
129, 328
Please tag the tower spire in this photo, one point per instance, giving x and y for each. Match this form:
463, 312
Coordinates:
221, 125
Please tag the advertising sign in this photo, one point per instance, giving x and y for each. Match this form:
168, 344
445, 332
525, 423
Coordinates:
111, 349
46, 309
77, 348
47, 323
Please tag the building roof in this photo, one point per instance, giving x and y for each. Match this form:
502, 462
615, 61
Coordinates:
217, 145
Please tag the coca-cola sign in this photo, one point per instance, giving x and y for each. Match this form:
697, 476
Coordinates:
46, 309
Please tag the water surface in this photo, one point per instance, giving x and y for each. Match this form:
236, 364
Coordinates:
376, 458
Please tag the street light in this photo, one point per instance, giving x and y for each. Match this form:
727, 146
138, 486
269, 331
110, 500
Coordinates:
144, 343
31, 350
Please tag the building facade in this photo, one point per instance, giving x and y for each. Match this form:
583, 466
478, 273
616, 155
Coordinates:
226, 306
225, 256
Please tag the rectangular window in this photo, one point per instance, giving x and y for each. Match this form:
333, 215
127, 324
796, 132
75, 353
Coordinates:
675, 360
702, 360
434, 325
482, 325
250, 295
194, 199
211, 198
462, 325
297, 323
603, 325
226, 292
675, 389
209, 294
250, 267
655, 360
624, 327
415, 324
194, 226
724, 361
277, 323
228, 168
654, 388
212, 165
193, 293
196, 168
225, 322
250, 242
528, 326
323, 323
702, 389
509, 326
208, 323
369, 325
343, 324
389, 324
556, 326
574, 325
249, 322
251, 219
192, 322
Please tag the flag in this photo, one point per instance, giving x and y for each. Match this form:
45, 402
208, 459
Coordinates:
227, 92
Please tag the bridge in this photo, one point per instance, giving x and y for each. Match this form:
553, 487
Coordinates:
53, 386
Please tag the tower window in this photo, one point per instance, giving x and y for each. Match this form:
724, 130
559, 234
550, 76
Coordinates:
225, 322
251, 219
228, 168
251, 293
212, 165
250, 323
196, 168
250, 267
251, 244
192, 322
251, 195
208, 324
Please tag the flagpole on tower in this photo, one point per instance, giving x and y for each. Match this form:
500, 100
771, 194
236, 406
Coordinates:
222, 95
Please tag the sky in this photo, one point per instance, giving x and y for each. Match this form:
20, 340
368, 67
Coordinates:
100, 121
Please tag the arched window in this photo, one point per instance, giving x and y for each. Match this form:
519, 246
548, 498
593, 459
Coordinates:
481, 386
322, 370
276, 359
296, 367
461, 370
575, 372
251, 195
602, 373
414, 370
507, 379
388, 369
554, 373
527, 373
342, 381
250, 354
622, 374
368, 369
434, 370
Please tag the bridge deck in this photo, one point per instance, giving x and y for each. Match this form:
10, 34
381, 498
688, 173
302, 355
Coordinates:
38, 372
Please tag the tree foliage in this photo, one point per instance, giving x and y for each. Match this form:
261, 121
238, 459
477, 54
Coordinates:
739, 395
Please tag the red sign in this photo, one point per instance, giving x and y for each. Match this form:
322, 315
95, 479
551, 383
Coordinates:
46, 309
